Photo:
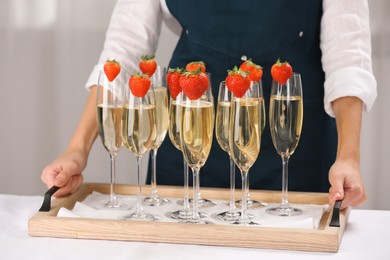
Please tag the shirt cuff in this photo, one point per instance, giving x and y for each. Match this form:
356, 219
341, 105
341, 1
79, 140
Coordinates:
94, 76
350, 81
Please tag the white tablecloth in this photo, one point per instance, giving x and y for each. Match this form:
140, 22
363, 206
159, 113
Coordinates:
366, 237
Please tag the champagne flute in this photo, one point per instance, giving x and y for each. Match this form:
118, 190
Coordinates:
244, 139
109, 102
162, 118
174, 135
222, 134
251, 204
202, 202
196, 134
286, 117
139, 133
254, 203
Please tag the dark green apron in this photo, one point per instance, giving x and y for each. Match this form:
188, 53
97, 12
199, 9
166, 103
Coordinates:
219, 33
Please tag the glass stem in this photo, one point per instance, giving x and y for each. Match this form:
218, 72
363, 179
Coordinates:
248, 196
245, 190
139, 192
232, 185
285, 181
112, 180
153, 192
186, 203
195, 200
199, 194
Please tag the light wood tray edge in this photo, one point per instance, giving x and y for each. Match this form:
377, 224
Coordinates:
325, 239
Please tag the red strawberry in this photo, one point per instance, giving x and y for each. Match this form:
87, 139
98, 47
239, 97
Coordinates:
139, 84
148, 65
111, 69
195, 65
194, 84
255, 72
173, 77
237, 82
281, 71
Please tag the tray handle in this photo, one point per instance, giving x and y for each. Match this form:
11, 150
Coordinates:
46, 205
335, 221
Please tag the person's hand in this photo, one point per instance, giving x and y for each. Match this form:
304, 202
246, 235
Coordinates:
346, 183
65, 172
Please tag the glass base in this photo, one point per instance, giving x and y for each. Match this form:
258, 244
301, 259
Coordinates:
154, 201
113, 205
252, 204
141, 216
203, 203
197, 221
228, 216
183, 214
284, 210
246, 222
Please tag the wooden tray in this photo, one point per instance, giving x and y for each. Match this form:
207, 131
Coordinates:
324, 239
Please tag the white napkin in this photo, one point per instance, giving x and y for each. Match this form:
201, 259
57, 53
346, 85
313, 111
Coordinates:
310, 218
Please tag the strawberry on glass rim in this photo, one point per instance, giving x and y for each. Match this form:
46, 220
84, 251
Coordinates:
173, 77
254, 71
195, 65
139, 84
237, 82
194, 83
281, 71
111, 69
148, 65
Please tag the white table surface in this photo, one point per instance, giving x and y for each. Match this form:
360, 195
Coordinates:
366, 237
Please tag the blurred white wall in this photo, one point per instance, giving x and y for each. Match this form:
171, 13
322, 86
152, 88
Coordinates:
47, 50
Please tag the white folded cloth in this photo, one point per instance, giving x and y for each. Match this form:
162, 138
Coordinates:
310, 218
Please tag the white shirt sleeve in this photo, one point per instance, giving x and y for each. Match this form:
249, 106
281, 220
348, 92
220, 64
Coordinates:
133, 31
346, 52
170, 21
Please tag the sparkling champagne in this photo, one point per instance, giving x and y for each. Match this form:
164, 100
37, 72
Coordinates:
139, 129
174, 123
245, 133
262, 114
162, 115
222, 125
286, 117
196, 131
110, 127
